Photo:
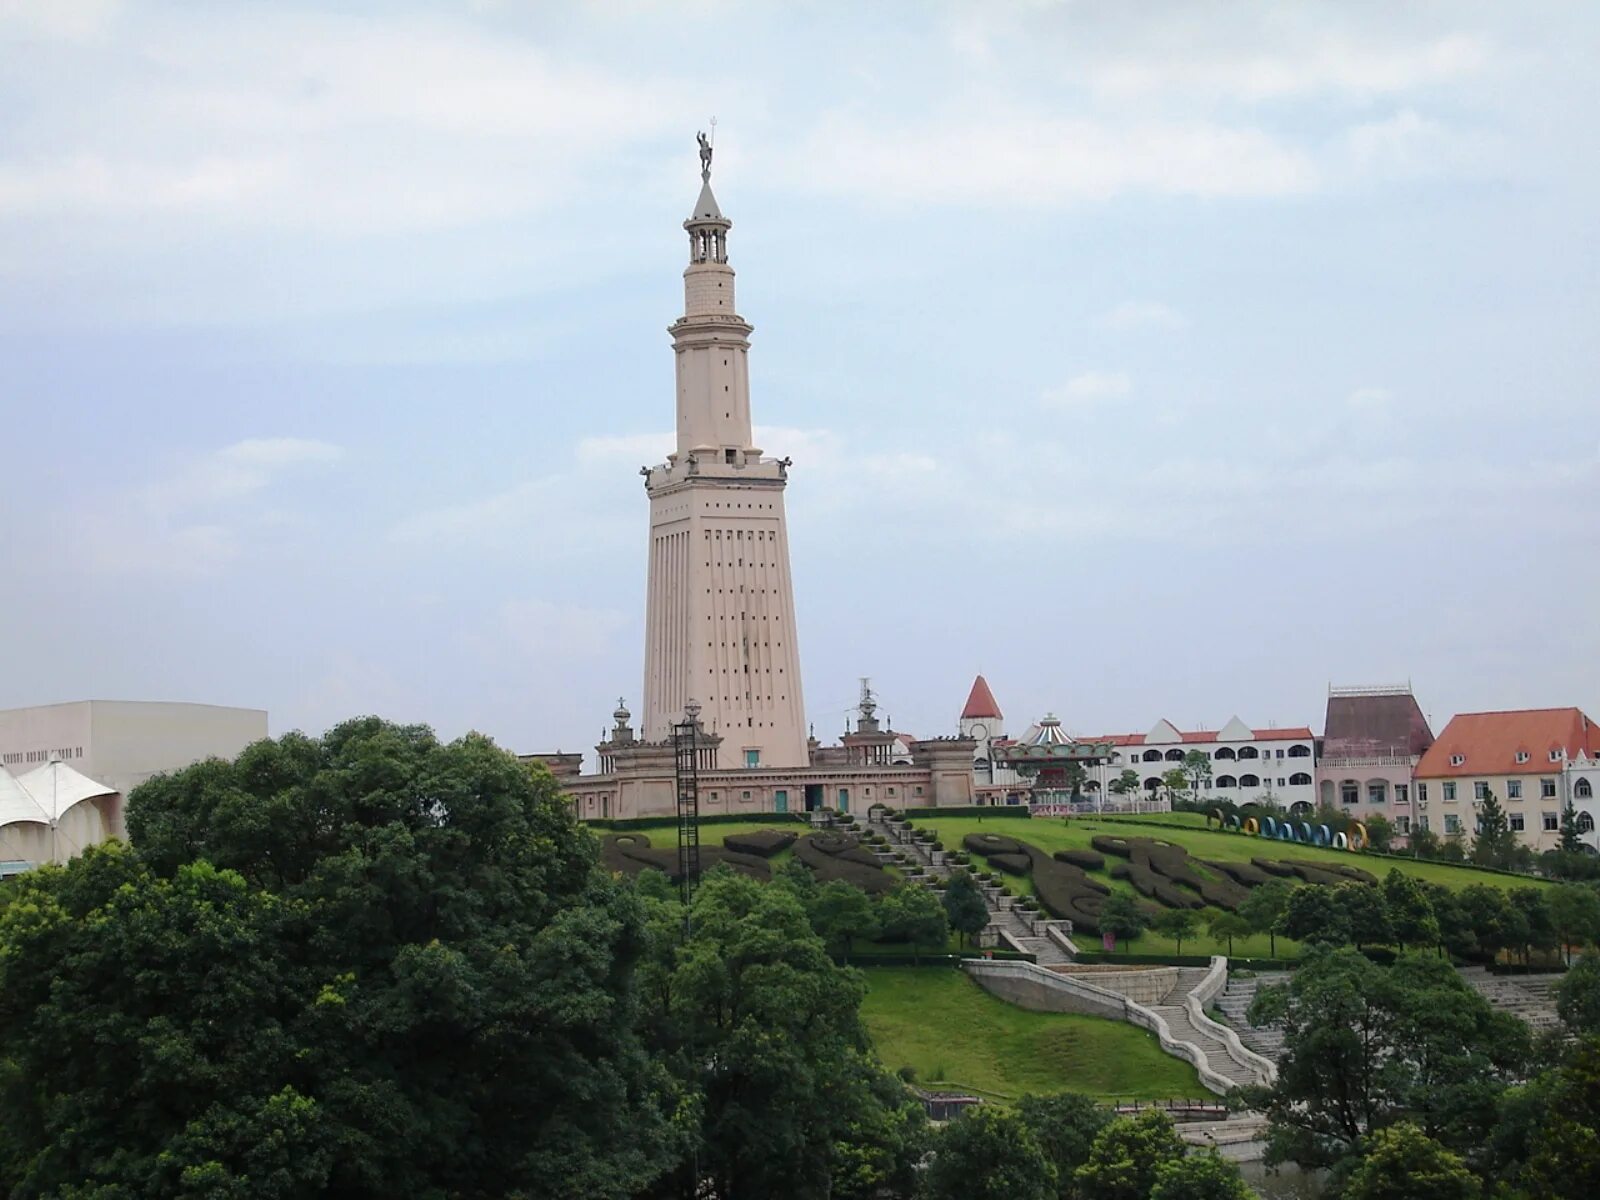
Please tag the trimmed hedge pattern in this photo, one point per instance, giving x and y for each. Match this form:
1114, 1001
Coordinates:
839, 856
1087, 859
763, 843
1011, 864
630, 853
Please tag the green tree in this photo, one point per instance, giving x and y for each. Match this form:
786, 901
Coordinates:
1204, 1175
1403, 1163
1177, 924
1411, 916
1380, 832
913, 914
1313, 915
1122, 917
365, 965
1537, 927
1571, 840
989, 1154
964, 906
1578, 997
1075, 776
1365, 913
1197, 772
1265, 907
1422, 842
1225, 926
1126, 784
1174, 781
1065, 1125
1486, 913
1575, 914
841, 913
1565, 1159
1127, 1155
1367, 1046
1493, 844
783, 1096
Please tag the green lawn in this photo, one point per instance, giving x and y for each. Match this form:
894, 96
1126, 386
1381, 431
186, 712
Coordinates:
1055, 833
938, 1021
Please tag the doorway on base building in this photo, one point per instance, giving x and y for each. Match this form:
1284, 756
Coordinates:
813, 797
780, 801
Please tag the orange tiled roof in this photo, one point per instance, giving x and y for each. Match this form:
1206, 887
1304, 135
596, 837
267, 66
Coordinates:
980, 701
1488, 743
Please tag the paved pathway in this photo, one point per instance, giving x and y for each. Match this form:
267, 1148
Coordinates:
1531, 997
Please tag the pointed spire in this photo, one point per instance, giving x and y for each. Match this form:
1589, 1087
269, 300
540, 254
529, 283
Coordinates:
981, 702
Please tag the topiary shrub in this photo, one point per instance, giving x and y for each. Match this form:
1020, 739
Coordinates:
937, 844
991, 843
630, 853
836, 856
1087, 859
1115, 846
1241, 873
1012, 864
763, 843
1339, 871
1274, 868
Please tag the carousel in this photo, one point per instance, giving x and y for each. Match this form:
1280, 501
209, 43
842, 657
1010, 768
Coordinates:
1055, 773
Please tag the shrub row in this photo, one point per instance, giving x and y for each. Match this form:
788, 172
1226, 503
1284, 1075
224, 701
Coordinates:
839, 856
763, 843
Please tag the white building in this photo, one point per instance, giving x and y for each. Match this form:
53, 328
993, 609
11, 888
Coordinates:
121, 743
1580, 780
1248, 766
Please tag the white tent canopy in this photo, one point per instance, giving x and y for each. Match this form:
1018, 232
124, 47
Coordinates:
50, 811
56, 787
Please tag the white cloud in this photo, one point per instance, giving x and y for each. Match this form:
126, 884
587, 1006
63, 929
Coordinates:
1369, 397
1089, 389
277, 119
1137, 314
1013, 158
1312, 61
545, 629
192, 523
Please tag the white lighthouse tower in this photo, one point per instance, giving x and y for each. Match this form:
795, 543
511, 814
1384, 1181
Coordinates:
719, 624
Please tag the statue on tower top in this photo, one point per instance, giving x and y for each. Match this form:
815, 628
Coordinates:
705, 156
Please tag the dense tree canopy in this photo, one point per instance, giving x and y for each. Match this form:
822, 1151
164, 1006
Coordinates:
1367, 1046
368, 965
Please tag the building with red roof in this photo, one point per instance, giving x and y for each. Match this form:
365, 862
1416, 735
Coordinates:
1535, 761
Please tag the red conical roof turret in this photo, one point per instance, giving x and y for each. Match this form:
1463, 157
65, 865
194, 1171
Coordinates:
980, 702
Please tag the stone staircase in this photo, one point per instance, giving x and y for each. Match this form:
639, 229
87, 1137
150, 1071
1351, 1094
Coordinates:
1234, 1004
1531, 997
1007, 925
1175, 1013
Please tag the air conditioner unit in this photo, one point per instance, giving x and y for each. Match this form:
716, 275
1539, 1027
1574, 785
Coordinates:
1422, 805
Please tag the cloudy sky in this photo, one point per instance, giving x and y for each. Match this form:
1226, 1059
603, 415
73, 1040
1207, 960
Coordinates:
1156, 360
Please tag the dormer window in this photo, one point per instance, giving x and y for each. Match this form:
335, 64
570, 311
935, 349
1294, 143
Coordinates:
1457, 759
1522, 756
1556, 755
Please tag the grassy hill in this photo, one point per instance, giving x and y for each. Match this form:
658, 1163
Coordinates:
1052, 834
955, 1034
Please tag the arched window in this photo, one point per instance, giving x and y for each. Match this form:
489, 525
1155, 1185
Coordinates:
1299, 751
1152, 756
1227, 781
1300, 779
1226, 752
1585, 823
1091, 785
1582, 790
980, 764
1151, 784
1174, 755
1249, 781
1249, 752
